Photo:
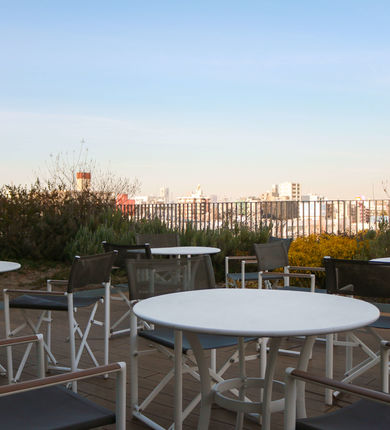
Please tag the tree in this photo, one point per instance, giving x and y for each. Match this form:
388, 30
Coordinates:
63, 167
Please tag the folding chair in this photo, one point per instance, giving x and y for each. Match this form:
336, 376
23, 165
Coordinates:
367, 280
42, 404
235, 279
158, 240
148, 278
273, 255
122, 290
85, 271
371, 412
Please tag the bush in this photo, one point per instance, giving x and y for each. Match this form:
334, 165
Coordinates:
39, 223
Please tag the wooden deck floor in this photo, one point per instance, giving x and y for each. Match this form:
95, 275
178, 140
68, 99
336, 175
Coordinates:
154, 366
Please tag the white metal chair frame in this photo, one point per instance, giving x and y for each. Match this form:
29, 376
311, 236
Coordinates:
352, 341
294, 377
184, 363
115, 293
46, 317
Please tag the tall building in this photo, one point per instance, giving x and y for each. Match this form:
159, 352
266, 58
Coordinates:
289, 191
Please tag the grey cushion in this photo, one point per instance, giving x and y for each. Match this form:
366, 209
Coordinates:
165, 336
362, 415
52, 408
53, 303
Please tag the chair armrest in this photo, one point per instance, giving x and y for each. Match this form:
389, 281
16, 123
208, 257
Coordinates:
281, 275
59, 282
27, 339
56, 283
341, 386
312, 269
20, 340
35, 292
62, 378
241, 257
385, 344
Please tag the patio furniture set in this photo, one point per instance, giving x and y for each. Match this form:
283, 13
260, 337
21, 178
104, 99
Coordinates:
174, 303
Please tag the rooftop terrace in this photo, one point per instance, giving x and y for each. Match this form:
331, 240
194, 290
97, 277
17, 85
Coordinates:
154, 366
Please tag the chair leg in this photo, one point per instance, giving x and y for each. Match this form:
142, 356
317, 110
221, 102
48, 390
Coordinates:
178, 409
107, 321
385, 352
133, 363
72, 342
329, 367
8, 333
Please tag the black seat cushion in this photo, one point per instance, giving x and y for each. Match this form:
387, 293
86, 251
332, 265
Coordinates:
52, 408
53, 303
165, 336
362, 415
382, 322
249, 276
305, 289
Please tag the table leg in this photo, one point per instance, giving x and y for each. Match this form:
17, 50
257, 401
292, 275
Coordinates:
205, 381
178, 407
268, 382
303, 362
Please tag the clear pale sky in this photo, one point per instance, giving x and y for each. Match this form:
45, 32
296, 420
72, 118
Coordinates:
233, 95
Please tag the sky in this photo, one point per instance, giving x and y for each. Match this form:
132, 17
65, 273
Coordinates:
232, 95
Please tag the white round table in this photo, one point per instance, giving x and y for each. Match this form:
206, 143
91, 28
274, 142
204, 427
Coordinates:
382, 260
8, 266
185, 250
259, 313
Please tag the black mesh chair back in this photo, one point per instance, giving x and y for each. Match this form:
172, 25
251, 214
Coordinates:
127, 251
286, 242
357, 277
271, 255
148, 278
91, 270
158, 240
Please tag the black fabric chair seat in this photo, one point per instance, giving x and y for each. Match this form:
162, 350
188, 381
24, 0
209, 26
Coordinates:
52, 408
120, 287
53, 303
305, 289
165, 336
381, 322
249, 276
362, 415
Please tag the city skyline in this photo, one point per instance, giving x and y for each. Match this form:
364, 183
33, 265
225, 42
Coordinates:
234, 96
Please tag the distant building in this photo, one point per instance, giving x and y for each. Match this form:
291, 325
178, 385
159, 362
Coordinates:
125, 204
283, 191
289, 191
164, 195
83, 181
196, 206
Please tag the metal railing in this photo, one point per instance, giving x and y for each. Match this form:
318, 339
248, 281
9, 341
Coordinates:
283, 218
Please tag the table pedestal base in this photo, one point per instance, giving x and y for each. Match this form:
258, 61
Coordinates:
241, 406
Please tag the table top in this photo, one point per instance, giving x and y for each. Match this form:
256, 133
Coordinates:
382, 260
185, 250
260, 313
8, 266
